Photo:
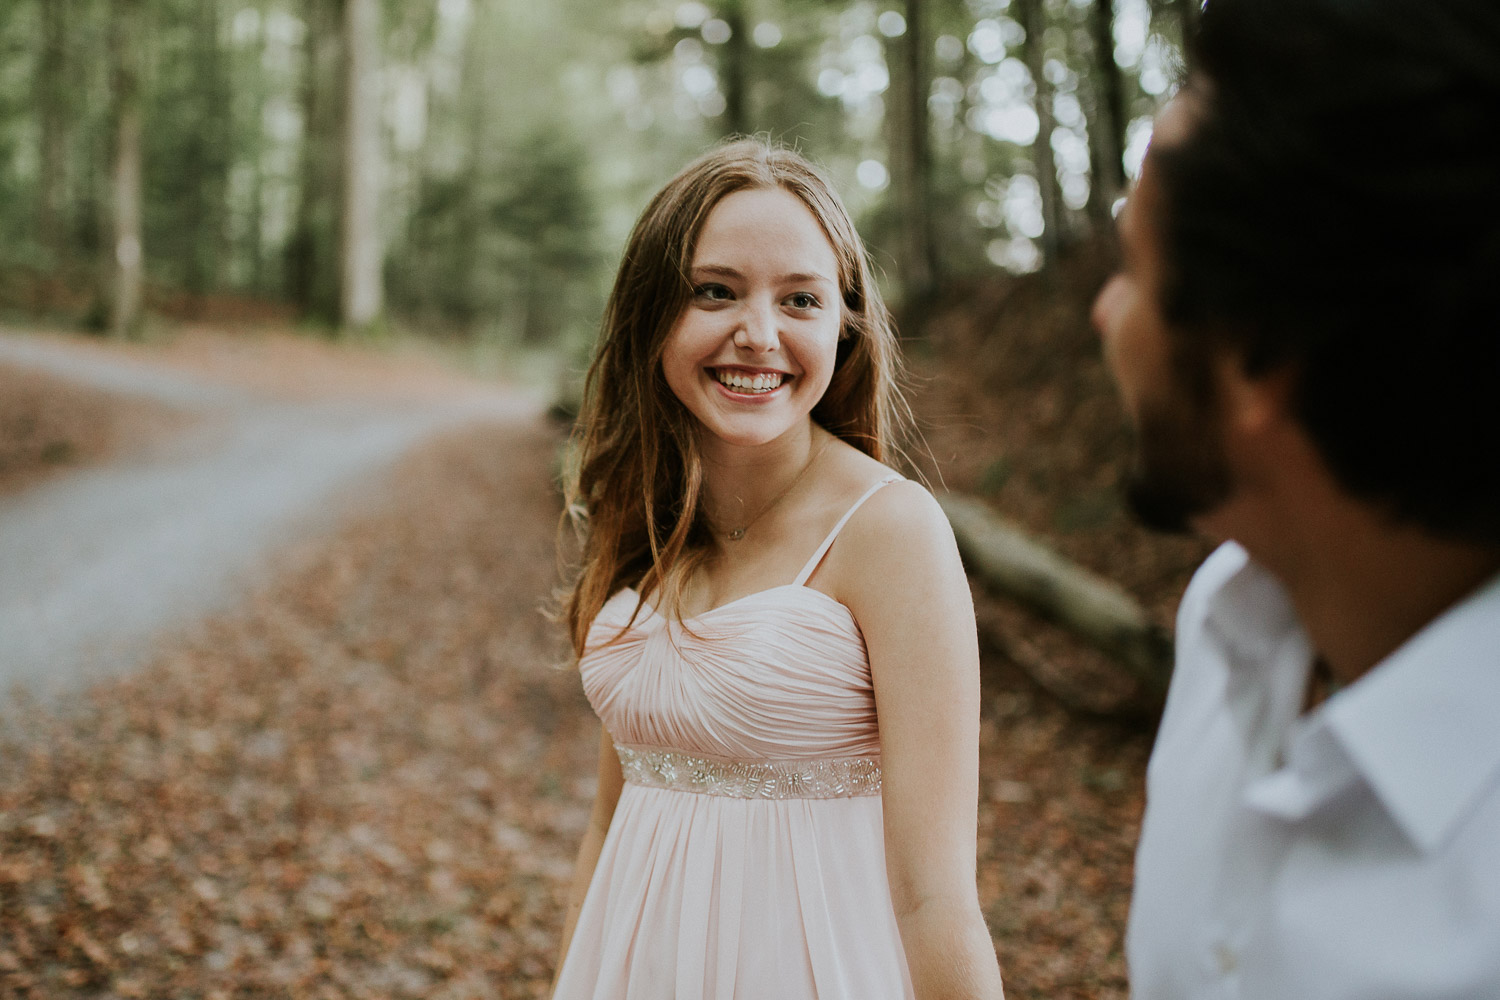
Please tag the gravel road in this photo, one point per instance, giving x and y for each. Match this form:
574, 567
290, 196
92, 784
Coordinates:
96, 564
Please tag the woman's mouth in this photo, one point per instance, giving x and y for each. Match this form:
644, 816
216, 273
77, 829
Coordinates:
748, 383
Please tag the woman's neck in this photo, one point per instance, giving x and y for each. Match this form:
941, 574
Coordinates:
740, 482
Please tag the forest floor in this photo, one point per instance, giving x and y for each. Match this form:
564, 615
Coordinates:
368, 777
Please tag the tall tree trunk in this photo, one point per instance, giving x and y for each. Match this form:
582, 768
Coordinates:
299, 247
1035, 22
312, 277
125, 263
1107, 129
736, 71
210, 247
479, 172
911, 164
51, 99
255, 247
361, 257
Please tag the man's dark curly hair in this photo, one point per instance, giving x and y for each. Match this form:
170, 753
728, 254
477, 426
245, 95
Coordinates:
1336, 208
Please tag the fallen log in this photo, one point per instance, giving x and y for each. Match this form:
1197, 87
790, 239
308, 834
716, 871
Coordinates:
1009, 563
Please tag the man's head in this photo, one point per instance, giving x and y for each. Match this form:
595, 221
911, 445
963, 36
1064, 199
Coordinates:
1321, 207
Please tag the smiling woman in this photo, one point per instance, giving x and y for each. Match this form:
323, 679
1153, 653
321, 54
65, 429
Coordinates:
773, 626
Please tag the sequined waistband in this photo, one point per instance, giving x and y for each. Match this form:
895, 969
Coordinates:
829, 778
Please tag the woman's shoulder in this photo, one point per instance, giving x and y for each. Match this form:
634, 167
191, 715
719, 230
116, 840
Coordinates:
899, 521
898, 518
896, 561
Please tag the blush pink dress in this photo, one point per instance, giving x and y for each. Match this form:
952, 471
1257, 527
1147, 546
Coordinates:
746, 856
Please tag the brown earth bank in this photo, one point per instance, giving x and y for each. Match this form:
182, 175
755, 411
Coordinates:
49, 426
370, 779
1015, 405
71, 296
275, 362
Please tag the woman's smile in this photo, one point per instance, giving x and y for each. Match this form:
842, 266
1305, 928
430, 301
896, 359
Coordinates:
749, 382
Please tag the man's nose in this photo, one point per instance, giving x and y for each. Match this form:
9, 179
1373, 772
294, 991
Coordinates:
1107, 305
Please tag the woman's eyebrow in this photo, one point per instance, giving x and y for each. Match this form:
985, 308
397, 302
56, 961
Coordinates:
729, 272
719, 269
807, 276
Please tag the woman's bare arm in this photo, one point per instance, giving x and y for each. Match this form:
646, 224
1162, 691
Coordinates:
900, 573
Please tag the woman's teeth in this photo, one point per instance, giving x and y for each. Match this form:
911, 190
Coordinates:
742, 382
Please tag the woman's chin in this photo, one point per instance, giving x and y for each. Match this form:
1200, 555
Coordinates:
739, 434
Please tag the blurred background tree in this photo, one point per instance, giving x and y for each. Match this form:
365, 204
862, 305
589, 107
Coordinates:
470, 168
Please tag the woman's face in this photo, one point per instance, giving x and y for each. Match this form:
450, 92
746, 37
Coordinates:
754, 349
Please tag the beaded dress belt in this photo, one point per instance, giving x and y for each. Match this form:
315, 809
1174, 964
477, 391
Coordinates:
828, 778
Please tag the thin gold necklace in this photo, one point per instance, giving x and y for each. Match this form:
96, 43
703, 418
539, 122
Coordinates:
735, 534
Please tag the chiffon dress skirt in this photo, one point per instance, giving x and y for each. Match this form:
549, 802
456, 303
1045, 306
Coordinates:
746, 856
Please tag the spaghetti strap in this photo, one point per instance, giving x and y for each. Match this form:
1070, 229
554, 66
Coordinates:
822, 550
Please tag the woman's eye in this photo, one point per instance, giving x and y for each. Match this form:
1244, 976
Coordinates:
803, 300
714, 293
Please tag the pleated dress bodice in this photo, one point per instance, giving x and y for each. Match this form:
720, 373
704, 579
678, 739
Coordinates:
780, 674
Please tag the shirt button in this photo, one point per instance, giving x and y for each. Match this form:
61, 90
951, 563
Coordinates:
1226, 958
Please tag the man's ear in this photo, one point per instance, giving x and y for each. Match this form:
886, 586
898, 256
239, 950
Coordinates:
1255, 405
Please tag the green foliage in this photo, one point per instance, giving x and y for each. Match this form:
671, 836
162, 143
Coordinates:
521, 140
19, 22
188, 147
995, 476
1086, 510
511, 250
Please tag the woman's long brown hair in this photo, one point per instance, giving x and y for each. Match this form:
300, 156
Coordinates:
637, 476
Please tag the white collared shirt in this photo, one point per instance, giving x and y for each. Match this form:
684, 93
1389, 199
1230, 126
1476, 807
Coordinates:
1350, 854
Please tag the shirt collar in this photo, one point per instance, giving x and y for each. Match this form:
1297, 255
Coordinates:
1421, 729
1249, 610
1423, 726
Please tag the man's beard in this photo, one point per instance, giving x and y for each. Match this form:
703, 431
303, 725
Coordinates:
1179, 470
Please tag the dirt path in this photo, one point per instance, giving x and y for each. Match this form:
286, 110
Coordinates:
97, 563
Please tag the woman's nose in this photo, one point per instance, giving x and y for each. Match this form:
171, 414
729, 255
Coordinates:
757, 329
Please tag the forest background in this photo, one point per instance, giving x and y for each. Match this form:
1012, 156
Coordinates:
462, 174
470, 168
